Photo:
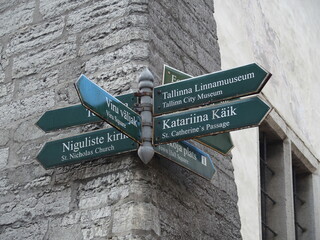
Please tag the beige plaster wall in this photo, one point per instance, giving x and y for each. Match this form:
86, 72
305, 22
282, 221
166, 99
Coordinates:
283, 37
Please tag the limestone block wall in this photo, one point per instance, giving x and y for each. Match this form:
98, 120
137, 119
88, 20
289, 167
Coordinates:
44, 47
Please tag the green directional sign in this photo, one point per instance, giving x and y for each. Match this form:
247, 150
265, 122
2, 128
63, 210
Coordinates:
76, 115
83, 147
211, 120
220, 142
110, 109
209, 88
189, 157
172, 75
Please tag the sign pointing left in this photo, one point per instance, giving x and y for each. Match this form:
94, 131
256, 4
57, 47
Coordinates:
88, 146
76, 115
110, 109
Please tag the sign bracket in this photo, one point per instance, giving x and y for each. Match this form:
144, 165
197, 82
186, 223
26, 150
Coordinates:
140, 94
144, 107
146, 84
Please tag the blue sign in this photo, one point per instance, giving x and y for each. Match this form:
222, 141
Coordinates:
110, 109
189, 157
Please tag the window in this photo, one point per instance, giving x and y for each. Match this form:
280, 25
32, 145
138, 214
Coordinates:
287, 205
303, 200
266, 200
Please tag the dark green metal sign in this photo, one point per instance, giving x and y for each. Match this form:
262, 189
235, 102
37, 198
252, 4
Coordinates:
220, 142
83, 147
206, 89
188, 156
76, 115
219, 118
110, 109
172, 75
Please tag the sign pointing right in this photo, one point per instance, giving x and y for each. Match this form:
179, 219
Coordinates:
235, 115
189, 157
209, 88
221, 142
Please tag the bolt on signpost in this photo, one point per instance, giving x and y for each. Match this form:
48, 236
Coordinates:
221, 142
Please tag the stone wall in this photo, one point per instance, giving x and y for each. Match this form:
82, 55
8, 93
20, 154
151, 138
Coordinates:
45, 45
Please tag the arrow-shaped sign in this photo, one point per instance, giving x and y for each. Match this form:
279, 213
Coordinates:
220, 142
172, 75
110, 109
209, 88
189, 157
211, 120
83, 147
76, 115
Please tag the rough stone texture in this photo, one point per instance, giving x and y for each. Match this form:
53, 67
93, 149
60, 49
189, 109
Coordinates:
20, 109
3, 64
36, 60
4, 154
181, 40
95, 14
22, 16
128, 29
4, 136
33, 36
45, 45
49, 9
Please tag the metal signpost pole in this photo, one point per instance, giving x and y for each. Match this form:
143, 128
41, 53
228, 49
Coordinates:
146, 150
